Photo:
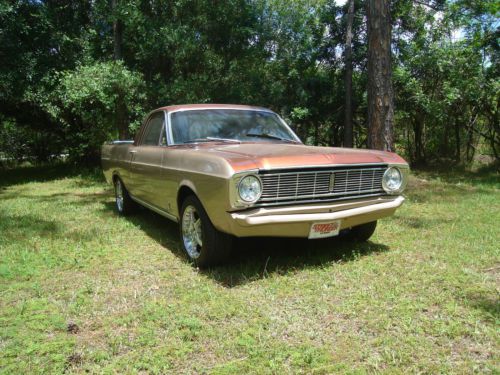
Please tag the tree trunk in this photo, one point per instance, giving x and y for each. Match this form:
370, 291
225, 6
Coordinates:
470, 149
445, 148
117, 32
348, 138
419, 147
316, 134
121, 120
380, 93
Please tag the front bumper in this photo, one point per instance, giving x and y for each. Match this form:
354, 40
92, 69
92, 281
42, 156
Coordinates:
295, 221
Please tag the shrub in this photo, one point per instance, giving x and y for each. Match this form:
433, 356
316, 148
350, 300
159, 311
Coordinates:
86, 102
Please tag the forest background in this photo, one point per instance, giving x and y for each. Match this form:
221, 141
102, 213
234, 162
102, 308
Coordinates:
74, 74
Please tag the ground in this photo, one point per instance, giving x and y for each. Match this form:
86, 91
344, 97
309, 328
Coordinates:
84, 290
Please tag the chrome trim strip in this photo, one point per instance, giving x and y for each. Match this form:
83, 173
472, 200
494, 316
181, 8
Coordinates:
326, 166
155, 209
169, 114
327, 169
249, 219
221, 107
166, 121
325, 200
120, 142
169, 127
324, 195
289, 128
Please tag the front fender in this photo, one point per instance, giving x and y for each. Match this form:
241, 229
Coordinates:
213, 193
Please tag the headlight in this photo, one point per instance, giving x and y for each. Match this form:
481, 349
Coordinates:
250, 188
392, 180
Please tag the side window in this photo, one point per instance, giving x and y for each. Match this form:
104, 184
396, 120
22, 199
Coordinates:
154, 130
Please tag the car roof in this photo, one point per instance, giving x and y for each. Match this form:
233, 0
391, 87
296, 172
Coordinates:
184, 107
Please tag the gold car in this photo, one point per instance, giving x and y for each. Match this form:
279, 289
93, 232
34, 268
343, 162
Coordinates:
225, 170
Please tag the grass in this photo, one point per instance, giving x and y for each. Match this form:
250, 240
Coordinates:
83, 290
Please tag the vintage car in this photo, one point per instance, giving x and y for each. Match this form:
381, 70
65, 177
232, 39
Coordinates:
225, 171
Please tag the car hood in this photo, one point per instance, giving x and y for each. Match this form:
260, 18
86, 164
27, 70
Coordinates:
247, 156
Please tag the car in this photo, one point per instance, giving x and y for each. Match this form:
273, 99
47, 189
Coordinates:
227, 171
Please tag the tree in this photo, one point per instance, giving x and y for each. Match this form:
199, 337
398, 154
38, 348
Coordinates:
85, 104
63, 63
445, 91
121, 121
380, 92
348, 136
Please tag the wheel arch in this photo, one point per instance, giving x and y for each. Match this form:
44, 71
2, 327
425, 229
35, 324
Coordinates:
186, 188
116, 175
184, 191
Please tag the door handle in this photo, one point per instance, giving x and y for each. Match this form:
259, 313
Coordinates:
132, 155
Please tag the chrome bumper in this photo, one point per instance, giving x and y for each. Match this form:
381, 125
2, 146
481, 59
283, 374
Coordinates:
295, 221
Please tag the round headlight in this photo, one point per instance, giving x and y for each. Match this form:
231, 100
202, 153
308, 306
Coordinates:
392, 180
250, 188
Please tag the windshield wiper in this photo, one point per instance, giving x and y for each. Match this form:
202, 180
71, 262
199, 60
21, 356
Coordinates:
213, 139
269, 136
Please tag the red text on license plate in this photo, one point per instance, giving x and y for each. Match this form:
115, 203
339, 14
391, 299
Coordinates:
323, 230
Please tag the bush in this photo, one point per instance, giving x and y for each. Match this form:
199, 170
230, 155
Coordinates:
20, 143
86, 101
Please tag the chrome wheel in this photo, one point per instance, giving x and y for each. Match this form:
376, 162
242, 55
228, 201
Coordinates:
119, 195
192, 232
204, 245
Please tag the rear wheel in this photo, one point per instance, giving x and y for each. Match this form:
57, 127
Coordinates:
362, 232
124, 204
204, 245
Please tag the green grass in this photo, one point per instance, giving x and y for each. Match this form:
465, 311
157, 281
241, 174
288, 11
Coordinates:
83, 290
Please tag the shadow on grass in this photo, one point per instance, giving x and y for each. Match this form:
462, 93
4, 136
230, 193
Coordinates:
162, 230
79, 199
256, 258
28, 225
489, 305
415, 222
253, 258
487, 176
436, 185
22, 175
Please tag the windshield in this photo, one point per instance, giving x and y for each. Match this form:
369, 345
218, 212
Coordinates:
228, 125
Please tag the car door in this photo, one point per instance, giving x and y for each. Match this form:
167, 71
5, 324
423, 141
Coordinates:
146, 162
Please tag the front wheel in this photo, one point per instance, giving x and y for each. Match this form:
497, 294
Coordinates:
362, 232
204, 245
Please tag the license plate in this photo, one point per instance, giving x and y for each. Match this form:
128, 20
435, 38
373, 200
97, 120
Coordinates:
323, 230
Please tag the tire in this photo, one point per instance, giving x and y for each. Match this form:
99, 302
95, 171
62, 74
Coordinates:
204, 245
124, 204
362, 232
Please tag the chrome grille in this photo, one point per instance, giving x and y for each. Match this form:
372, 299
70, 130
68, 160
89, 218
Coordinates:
321, 184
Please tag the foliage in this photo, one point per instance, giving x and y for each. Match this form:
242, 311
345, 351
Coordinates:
84, 290
286, 55
22, 143
86, 99
446, 99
